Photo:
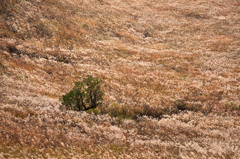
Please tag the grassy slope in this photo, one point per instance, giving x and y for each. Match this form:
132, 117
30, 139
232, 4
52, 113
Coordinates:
151, 55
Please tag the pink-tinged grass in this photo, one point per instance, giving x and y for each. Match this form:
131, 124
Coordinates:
177, 61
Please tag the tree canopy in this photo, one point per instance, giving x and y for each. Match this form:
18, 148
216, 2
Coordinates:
86, 94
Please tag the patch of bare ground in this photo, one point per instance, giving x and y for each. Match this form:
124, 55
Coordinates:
176, 61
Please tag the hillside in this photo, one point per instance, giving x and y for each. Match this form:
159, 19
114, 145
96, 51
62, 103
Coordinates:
172, 67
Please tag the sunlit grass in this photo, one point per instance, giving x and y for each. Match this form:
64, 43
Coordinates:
176, 62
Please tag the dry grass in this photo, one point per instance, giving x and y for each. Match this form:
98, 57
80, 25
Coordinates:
156, 58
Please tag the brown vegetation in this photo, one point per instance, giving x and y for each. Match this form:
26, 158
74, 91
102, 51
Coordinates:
175, 61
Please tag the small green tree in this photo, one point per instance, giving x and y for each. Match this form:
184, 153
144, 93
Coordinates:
85, 95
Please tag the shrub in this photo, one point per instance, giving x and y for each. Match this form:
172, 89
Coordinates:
94, 111
126, 112
180, 104
85, 95
121, 111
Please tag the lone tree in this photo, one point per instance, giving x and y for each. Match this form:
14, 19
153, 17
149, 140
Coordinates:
85, 95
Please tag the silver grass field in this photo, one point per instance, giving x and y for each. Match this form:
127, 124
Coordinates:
170, 72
